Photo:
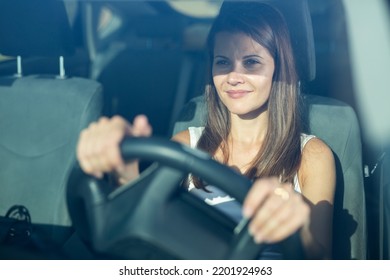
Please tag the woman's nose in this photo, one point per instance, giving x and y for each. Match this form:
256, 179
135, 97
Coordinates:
235, 77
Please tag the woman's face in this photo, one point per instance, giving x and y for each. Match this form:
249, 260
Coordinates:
242, 73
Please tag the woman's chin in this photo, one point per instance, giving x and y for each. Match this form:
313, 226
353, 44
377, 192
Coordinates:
246, 113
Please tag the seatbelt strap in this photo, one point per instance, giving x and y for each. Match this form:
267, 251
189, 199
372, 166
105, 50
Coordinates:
384, 206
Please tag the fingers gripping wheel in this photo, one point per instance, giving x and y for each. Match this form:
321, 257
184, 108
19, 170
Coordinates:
153, 217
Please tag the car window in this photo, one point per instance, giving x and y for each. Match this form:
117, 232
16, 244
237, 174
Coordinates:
198, 8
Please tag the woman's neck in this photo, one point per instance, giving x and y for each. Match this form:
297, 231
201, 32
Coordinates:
248, 131
245, 140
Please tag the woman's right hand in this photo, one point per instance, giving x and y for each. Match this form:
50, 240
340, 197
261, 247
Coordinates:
98, 148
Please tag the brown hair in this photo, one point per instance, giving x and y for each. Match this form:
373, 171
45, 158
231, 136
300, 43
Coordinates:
280, 154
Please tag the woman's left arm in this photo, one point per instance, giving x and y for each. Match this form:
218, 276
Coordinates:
317, 177
277, 211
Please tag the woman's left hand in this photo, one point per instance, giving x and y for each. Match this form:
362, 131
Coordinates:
276, 210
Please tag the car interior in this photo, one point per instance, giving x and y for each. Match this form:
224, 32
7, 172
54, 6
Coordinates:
69, 63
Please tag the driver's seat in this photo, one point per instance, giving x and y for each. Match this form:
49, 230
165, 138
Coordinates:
334, 122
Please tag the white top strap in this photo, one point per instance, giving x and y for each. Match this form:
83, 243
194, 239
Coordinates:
195, 133
304, 139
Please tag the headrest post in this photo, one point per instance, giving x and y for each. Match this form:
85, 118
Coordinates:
19, 71
62, 68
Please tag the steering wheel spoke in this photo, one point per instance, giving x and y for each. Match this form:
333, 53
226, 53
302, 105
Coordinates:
151, 180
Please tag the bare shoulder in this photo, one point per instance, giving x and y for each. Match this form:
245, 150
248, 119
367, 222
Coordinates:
316, 149
182, 137
317, 172
317, 157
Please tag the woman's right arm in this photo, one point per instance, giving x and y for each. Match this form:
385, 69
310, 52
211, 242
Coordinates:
98, 148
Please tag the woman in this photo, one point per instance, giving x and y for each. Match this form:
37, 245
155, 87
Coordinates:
253, 126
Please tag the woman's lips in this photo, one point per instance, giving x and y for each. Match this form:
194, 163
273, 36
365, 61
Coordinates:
235, 94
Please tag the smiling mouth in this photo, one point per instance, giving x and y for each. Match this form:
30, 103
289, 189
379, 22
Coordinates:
237, 93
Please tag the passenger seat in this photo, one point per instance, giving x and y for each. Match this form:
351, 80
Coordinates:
41, 117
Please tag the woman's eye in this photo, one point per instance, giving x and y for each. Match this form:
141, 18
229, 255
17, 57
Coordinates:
251, 62
221, 62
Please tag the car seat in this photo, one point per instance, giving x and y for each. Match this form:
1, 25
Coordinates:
334, 122
41, 117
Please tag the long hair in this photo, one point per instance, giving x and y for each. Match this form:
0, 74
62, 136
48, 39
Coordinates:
280, 154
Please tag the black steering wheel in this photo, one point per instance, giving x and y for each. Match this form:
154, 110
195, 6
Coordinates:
154, 218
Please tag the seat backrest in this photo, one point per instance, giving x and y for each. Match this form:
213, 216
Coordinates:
41, 117
336, 123
331, 120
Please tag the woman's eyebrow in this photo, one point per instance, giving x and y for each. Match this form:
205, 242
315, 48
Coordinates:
244, 57
253, 55
220, 56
